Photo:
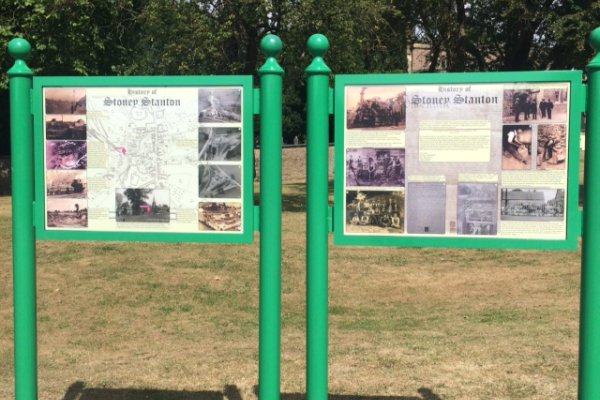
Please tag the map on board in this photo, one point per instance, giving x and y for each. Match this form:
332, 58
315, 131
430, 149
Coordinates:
145, 159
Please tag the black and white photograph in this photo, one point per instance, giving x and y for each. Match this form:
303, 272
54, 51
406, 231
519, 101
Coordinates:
375, 167
219, 105
66, 184
376, 212
65, 127
142, 205
220, 216
220, 181
532, 204
66, 154
65, 101
516, 147
66, 213
426, 208
551, 147
477, 209
219, 144
376, 107
553, 105
521, 105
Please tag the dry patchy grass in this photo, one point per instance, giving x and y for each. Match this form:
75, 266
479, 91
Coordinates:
180, 321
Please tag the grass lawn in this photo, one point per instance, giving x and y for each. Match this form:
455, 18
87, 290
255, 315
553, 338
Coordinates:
180, 321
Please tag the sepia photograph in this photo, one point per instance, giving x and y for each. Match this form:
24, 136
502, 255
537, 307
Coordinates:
426, 208
376, 212
66, 213
66, 184
553, 105
477, 209
65, 127
66, 154
220, 216
375, 167
219, 144
521, 105
376, 107
220, 181
516, 147
65, 101
532, 204
142, 205
219, 105
551, 147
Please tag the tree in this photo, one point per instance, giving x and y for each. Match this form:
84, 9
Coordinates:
137, 198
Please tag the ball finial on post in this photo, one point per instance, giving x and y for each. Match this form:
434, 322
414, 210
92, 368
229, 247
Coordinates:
271, 45
595, 40
317, 45
19, 48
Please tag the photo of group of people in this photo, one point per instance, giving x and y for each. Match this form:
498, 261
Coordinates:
376, 107
220, 159
539, 141
375, 167
65, 157
375, 211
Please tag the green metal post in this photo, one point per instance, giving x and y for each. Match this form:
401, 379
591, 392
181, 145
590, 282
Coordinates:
589, 332
317, 141
269, 341
23, 237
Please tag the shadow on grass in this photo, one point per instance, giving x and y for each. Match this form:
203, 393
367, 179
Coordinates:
78, 391
424, 394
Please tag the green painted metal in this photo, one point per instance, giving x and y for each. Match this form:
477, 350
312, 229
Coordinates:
317, 143
245, 82
269, 341
24, 282
577, 105
589, 332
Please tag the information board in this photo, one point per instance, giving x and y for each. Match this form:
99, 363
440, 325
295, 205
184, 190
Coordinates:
466, 160
144, 158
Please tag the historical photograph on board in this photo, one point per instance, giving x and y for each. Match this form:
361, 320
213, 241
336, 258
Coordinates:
477, 209
66, 184
553, 105
65, 101
220, 181
66, 213
376, 212
375, 167
376, 107
532, 204
521, 105
426, 208
65, 127
66, 154
142, 205
219, 105
551, 146
219, 144
516, 146
220, 216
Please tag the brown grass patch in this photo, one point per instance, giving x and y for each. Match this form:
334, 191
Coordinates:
180, 321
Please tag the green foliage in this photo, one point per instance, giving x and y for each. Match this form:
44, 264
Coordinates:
158, 37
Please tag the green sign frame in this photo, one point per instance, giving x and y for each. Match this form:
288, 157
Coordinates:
373, 130
138, 95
